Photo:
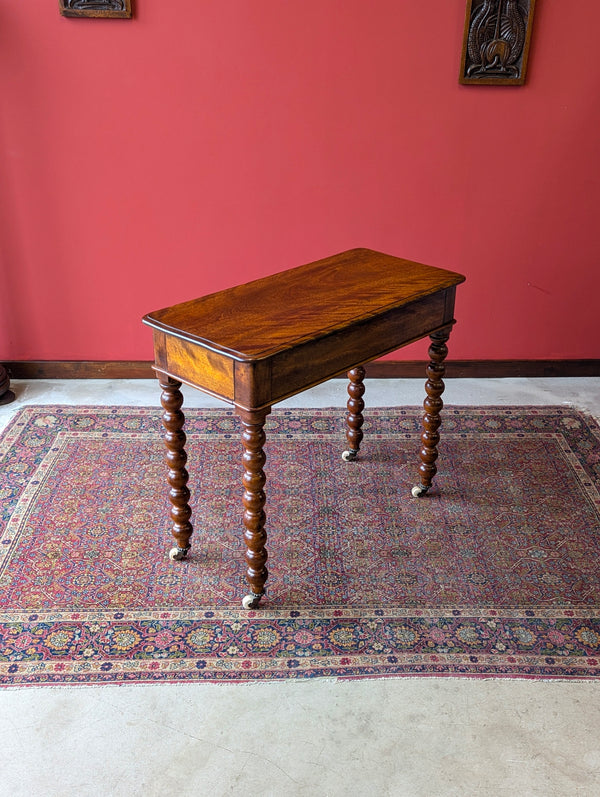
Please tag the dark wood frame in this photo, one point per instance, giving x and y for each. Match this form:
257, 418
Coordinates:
499, 47
97, 10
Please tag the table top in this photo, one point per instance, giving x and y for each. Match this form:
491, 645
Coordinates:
275, 313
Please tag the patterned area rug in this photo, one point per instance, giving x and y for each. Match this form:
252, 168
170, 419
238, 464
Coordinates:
494, 573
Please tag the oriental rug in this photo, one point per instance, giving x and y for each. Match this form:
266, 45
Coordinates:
494, 573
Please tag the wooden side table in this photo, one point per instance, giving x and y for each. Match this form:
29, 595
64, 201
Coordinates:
256, 344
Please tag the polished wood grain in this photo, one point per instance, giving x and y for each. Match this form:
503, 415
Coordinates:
268, 316
255, 344
297, 328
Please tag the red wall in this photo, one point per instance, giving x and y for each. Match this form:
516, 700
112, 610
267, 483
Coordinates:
207, 142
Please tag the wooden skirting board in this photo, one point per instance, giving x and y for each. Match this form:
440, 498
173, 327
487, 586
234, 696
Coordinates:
380, 369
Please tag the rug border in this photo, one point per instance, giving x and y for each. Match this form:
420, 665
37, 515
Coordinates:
10, 434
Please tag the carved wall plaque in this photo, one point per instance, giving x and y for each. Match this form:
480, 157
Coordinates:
121, 9
496, 42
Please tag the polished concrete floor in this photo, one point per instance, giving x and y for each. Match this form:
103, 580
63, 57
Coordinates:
397, 736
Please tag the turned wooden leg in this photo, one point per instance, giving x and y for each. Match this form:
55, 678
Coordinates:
173, 420
255, 536
354, 416
434, 387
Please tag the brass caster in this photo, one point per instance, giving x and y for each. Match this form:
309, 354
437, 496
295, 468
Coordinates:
177, 554
350, 455
419, 490
251, 601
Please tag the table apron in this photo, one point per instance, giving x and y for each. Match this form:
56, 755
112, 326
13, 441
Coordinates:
259, 383
316, 361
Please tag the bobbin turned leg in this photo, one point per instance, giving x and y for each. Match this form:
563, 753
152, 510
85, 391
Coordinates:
173, 420
354, 416
255, 536
434, 387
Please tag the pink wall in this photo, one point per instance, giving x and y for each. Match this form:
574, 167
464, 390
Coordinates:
208, 142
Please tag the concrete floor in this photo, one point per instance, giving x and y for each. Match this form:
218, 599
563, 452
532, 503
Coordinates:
396, 737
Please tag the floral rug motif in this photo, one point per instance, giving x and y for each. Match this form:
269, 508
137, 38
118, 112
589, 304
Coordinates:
494, 573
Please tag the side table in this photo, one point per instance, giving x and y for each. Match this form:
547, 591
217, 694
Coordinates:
258, 343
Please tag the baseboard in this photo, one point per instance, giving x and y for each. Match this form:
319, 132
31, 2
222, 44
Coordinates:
80, 369
488, 369
380, 369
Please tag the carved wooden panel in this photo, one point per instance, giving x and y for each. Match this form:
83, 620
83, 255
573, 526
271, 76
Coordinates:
120, 9
496, 42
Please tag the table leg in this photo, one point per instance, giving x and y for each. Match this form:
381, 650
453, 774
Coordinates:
354, 416
434, 387
255, 536
173, 420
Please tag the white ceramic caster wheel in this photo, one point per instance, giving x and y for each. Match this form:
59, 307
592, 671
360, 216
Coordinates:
349, 456
177, 554
250, 601
419, 490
